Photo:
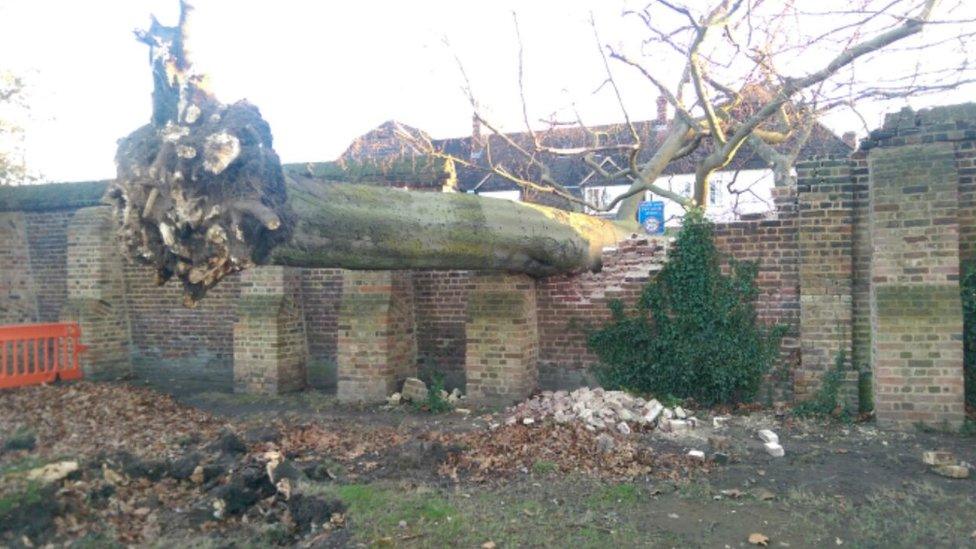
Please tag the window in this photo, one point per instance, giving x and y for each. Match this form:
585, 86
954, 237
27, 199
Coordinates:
597, 196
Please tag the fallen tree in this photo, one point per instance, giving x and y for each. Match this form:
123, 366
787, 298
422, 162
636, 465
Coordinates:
200, 194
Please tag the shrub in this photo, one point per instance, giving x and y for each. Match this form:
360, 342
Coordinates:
694, 333
826, 401
968, 289
436, 403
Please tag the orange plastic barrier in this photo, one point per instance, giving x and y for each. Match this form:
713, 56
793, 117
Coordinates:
39, 353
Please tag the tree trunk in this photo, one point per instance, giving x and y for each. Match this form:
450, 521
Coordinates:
373, 227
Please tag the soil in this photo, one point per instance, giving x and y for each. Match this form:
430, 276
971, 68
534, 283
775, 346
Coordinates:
195, 468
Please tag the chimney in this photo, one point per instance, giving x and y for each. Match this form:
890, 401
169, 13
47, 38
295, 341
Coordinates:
662, 110
851, 139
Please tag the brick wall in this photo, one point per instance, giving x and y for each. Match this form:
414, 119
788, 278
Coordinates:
47, 234
825, 237
377, 337
915, 303
270, 344
321, 292
164, 350
440, 302
502, 338
923, 235
96, 297
820, 241
772, 243
860, 264
18, 299
159, 319
202, 358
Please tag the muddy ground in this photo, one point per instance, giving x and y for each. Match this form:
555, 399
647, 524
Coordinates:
154, 470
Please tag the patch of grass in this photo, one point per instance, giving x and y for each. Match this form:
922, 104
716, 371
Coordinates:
98, 540
277, 534
616, 493
670, 401
509, 517
375, 510
805, 497
28, 508
919, 515
363, 498
22, 465
543, 467
694, 490
581, 512
186, 440
30, 494
22, 439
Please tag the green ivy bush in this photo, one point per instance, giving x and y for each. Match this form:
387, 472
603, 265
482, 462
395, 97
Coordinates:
435, 402
694, 333
826, 401
968, 288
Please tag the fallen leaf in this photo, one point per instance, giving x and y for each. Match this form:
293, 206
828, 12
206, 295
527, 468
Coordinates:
756, 538
733, 493
111, 476
197, 476
488, 545
764, 494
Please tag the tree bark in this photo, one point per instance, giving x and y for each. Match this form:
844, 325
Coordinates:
373, 227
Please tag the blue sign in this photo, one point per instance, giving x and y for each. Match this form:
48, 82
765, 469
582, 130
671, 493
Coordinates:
650, 215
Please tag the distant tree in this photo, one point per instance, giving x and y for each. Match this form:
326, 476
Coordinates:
13, 170
739, 74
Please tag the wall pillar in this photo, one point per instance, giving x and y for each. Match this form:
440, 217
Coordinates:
826, 228
270, 349
916, 311
502, 350
18, 297
96, 294
377, 345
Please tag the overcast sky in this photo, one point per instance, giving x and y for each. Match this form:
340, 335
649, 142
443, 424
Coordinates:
322, 73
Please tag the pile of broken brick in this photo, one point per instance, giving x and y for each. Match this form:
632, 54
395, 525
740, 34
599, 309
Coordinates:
416, 391
601, 410
946, 464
